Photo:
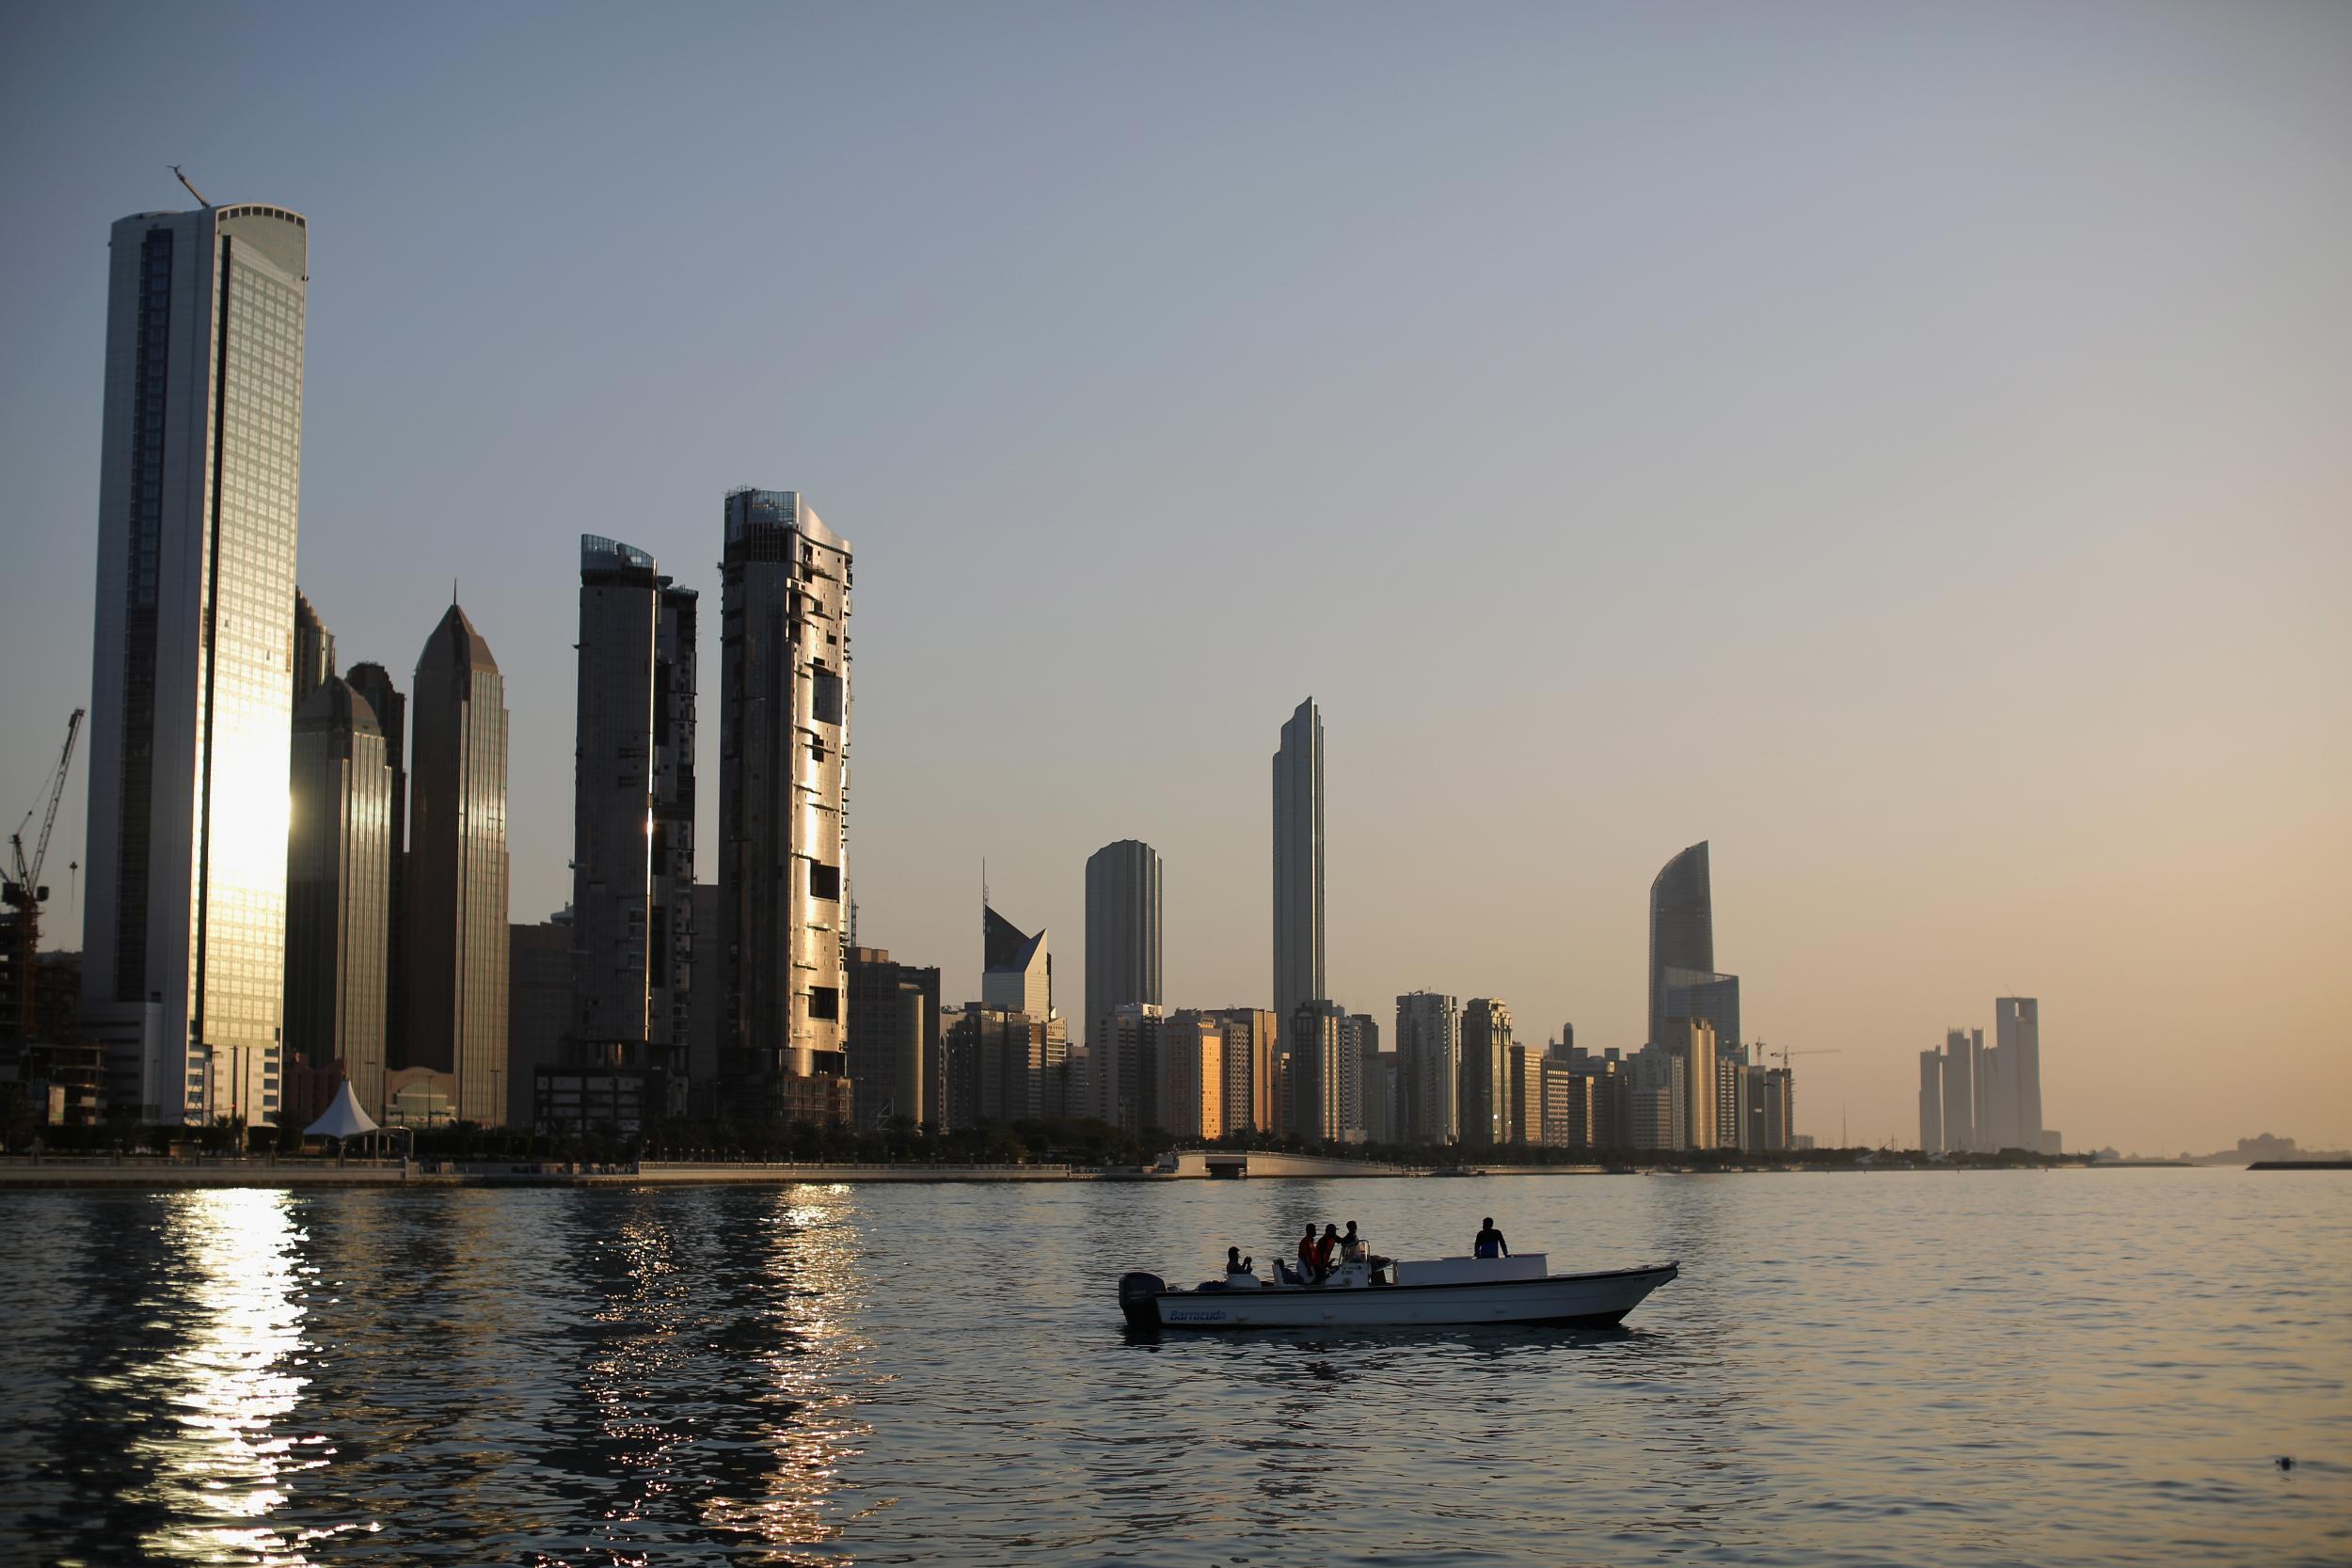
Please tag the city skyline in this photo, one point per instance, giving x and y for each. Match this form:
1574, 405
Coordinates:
2078, 848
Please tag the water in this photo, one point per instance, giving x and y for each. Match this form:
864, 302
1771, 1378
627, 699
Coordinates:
1928, 1368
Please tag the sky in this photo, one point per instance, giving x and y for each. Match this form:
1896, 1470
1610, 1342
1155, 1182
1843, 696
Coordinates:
1904, 445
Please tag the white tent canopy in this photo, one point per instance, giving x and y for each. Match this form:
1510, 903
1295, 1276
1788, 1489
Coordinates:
344, 1119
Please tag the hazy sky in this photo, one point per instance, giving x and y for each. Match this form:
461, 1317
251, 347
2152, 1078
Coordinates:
1908, 445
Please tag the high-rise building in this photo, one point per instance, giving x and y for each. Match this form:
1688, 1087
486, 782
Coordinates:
1484, 1096
313, 650
1125, 1061
1567, 1108
1428, 1068
1962, 1048
191, 680
633, 818
1523, 1098
1016, 968
1693, 1041
1931, 1102
1252, 1041
1192, 1076
2017, 1033
1321, 1043
1298, 862
896, 1071
457, 953
374, 684
784, 737
338, 857
538, 1022
998, 1064
1123, 928
1681, 928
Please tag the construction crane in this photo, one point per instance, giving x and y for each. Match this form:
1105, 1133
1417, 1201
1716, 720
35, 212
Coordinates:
1784, 1053
22, 894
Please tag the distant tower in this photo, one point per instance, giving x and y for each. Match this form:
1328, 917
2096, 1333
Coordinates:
191, 685
1483, 1093
1298, 862
1122, 930
1681, 929
339, 889
458, 951
784, 737
2017, 1035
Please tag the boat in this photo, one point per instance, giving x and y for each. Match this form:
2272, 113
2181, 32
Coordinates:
1425, 1293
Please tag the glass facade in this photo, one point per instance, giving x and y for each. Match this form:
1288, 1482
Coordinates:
1681, 928
456, 955
192, 669
1298, 862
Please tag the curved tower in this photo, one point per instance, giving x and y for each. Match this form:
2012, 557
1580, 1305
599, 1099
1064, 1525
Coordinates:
1681, 928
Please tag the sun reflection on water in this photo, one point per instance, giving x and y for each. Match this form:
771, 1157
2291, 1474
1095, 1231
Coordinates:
806, 1378
220, 1467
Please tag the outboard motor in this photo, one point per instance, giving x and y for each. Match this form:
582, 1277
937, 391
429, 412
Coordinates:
1139, 1299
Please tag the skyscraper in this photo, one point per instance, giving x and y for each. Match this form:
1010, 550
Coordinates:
1298, 862
1484, 1098
373, 684
1961, 1050
2017, 1034
191, 679
1016, 968
1321, 1040
457, 952
1931, 1102
633, 818
784, 737
1681, 928
338, 860
1428, 1068
1122, 928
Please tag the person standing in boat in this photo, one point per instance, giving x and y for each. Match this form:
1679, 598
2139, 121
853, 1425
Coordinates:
1325, 1249
1308, 1272
1490, 1242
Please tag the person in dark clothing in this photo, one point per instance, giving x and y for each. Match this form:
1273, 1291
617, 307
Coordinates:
1236, 1263
1324, 1249
1490, 1242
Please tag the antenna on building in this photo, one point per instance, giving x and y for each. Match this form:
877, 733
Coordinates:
192, 190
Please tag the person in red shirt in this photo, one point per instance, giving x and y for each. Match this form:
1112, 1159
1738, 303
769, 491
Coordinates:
1308, 1272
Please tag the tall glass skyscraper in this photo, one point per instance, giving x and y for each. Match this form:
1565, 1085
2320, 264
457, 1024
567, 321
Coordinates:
1681, 930
458, 955
784, 738
192, 678
1298, 862
1122, 928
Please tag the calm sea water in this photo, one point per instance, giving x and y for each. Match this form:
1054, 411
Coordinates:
1934, 1368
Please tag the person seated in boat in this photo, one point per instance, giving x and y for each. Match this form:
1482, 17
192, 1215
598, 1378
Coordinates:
1308, 1272
1236, 1263
1490, 1242
1326, 1250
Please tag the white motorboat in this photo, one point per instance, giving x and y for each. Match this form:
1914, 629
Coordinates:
1428, 1292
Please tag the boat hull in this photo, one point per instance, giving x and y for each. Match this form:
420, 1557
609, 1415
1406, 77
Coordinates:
1561, 1300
